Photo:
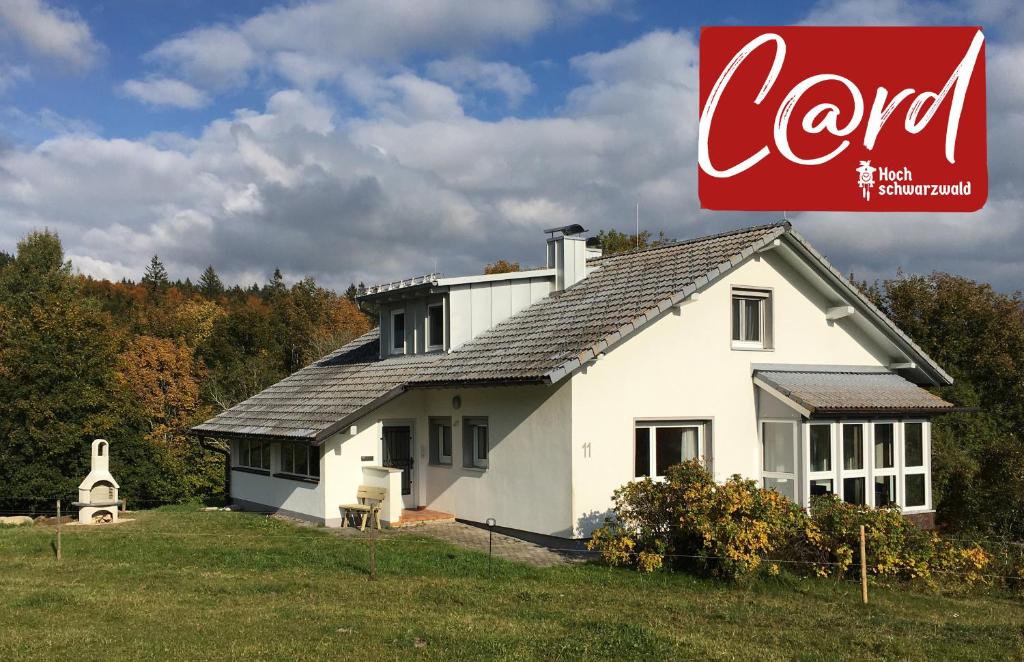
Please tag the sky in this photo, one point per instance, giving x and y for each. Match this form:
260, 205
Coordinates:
369, 141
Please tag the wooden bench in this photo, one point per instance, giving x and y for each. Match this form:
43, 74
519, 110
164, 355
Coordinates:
370, 501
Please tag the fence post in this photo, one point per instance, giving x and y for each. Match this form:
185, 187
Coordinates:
373, 549
863, 567
58, 530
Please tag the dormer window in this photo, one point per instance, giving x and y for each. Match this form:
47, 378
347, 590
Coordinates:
435, 327
751, 318
398, 332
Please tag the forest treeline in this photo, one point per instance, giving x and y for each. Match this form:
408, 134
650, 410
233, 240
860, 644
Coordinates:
138, 363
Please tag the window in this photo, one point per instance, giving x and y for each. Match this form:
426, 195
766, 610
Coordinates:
778, 469
915, 471
875, 463
751, 319
673, 442
854, 472
441, 441
884, 469
476, 444
397, 331
435, 327
252, 454
821, 473
300, 459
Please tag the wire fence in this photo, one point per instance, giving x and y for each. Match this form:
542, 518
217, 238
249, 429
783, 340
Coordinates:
393, 540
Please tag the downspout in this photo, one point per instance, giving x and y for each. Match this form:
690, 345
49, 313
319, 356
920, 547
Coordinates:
226, 452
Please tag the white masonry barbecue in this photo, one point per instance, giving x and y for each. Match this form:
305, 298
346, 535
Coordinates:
97, 494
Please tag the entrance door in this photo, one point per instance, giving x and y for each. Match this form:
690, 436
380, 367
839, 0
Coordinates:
398, 454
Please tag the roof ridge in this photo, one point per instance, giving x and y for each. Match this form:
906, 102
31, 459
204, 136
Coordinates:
693, 240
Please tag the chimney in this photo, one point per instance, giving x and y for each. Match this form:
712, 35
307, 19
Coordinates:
567, 255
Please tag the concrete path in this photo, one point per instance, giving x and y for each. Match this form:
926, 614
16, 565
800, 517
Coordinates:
474, 538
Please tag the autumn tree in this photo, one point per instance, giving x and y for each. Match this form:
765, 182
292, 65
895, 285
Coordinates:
501, 266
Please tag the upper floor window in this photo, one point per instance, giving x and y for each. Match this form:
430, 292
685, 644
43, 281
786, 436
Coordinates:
397, 331
751, 318
435, 327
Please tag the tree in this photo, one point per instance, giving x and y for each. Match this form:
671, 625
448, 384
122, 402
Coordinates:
613, 241
210, 285
501, 266
977, 335
155, 278
57, 349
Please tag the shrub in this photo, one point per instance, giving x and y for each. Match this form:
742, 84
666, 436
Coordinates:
690, 521
729, 530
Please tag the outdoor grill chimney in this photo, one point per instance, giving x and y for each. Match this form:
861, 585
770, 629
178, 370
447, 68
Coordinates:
567, 255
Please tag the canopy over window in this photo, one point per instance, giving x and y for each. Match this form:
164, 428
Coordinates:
829, 391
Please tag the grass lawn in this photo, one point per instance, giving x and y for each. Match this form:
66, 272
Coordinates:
177, 582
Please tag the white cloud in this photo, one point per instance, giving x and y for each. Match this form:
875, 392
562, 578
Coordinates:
11, 75
165, 92
315, 41
501, 77
59, 35
217, 58
303, 185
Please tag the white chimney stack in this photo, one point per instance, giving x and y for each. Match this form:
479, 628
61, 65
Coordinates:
567, 255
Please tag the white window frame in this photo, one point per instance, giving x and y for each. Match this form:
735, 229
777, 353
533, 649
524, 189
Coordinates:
478, 461
894, 470
431, 345
779, 475
652, 446
764, 298
900, 471
925, 468
405, 331
439, 427
866, 455
812, 476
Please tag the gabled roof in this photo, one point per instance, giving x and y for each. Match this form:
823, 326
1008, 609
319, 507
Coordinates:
541, 344
849, 391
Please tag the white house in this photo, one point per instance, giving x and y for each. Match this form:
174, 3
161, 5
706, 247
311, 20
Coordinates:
530, 397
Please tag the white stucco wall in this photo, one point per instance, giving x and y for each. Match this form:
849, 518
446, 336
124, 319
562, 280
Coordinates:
527, 483
683, 366
296, 497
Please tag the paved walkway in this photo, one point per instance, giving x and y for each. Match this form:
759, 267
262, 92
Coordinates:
474, 538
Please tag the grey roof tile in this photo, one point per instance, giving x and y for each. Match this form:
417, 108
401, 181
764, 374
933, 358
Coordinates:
830, 392
540, 344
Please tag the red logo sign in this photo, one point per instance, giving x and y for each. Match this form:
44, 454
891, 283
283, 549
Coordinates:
843, 119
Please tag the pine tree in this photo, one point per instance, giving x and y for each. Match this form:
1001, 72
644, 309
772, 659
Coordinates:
156, 276
210, 284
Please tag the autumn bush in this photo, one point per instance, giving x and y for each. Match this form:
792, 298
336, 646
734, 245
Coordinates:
735, 529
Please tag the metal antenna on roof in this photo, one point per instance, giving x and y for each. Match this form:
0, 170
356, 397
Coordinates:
638, 222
